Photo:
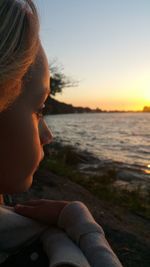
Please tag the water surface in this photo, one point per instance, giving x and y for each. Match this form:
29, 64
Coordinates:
123, 137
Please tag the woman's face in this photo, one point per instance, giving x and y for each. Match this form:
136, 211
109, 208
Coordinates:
23, 132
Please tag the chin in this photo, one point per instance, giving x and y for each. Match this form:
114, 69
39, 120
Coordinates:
21, 187
18, 184
27, 184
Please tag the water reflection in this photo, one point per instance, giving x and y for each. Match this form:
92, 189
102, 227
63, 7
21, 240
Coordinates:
147, 170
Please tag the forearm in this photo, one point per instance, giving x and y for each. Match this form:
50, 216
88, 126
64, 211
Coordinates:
79, 224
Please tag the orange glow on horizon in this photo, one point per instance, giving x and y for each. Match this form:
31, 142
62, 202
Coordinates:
108, 104
131, 95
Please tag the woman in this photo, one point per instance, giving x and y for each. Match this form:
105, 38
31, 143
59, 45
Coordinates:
24, 87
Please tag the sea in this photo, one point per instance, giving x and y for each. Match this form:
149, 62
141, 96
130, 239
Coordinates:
122, 137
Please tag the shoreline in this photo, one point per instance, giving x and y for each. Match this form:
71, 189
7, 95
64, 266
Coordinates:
54, 106
125, 176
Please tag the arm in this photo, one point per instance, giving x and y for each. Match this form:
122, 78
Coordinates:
42, 210
79, 224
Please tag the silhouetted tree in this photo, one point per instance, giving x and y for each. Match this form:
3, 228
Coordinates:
146, 109
59, 80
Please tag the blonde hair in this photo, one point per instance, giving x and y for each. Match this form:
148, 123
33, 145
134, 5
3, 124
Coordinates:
19, 42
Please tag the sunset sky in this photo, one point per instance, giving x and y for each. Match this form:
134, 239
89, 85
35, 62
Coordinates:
103, 44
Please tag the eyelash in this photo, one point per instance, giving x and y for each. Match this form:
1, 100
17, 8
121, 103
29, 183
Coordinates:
39, 113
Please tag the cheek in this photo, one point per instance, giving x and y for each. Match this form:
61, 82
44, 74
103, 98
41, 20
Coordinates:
29, 144
20, 154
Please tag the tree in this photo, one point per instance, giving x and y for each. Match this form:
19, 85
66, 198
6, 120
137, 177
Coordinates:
59, 80
146, 109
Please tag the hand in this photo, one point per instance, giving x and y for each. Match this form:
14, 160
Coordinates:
43, 210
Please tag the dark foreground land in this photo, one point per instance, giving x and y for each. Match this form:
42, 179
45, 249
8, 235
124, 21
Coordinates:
124, 217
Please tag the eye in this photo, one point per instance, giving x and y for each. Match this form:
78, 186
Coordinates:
39, 112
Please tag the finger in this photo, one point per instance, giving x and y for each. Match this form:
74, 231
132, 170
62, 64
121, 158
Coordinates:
33, 202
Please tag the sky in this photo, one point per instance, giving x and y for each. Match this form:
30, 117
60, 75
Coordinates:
102, 44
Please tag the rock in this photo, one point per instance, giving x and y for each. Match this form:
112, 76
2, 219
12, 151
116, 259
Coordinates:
129, 176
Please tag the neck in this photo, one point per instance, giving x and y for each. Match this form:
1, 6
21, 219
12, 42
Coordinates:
1, 199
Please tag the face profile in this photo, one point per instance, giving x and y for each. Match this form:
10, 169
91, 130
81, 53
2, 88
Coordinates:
24, 87
24, 131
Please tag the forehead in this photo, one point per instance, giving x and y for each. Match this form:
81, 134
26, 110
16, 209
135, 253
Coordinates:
36, 81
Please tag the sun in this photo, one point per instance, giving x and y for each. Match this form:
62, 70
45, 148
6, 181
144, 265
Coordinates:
146, 94
141, 86
145, 89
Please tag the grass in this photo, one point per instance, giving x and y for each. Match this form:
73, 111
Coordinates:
64, 160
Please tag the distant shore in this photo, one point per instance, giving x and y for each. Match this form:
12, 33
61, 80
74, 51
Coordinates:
53, 106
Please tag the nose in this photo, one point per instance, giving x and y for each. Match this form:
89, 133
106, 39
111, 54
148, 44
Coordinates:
45, 133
